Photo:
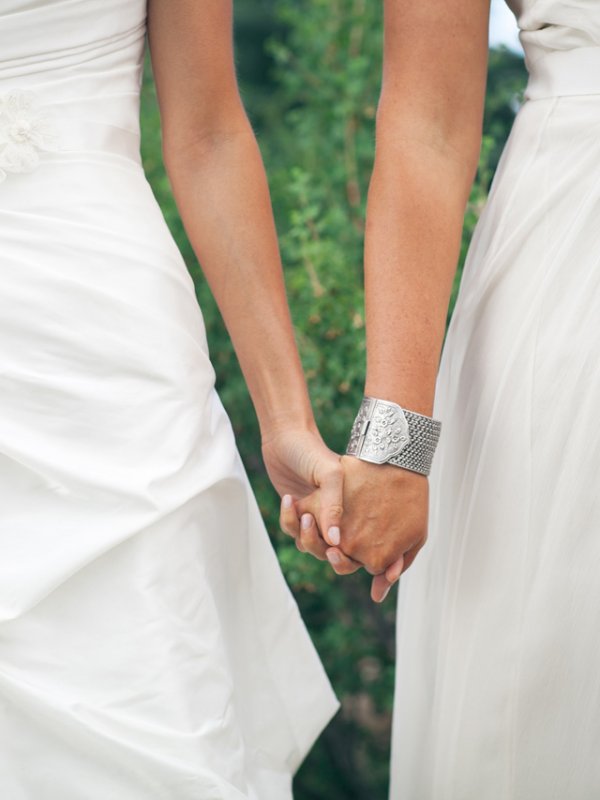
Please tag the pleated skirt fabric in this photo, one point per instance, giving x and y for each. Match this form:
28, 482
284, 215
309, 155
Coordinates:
498, 676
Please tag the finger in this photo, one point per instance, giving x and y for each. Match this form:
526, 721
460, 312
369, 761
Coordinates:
381, 584
288, 517
310, 539
410, 555
380, 587
340, 562
311, 504
394, 571
331, 484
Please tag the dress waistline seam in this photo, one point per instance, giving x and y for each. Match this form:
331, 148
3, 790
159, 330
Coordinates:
563, 73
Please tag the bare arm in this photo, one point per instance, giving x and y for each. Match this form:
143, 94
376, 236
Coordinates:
218, 180
219, 184
428, 140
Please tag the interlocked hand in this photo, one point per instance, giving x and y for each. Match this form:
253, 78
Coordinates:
385, 510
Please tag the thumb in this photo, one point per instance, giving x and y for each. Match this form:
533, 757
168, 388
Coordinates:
332, 503
311, 504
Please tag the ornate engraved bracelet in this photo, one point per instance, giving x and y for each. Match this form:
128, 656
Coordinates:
385, 433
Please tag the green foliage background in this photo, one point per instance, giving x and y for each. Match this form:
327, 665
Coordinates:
309, 72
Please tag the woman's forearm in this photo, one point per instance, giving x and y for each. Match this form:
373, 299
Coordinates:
415, 212
222, 195
429, 122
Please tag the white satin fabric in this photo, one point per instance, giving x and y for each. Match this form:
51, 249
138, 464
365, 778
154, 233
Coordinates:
498, 676
149, 647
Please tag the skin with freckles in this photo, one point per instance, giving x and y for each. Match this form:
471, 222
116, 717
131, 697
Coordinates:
428, 137
373, 534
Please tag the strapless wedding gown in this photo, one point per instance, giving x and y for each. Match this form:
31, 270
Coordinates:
149, 646
498, 677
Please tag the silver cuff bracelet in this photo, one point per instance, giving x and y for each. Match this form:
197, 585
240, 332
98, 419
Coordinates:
385, 433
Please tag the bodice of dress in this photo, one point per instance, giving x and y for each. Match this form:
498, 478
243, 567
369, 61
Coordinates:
70, 75
556, 25
561, 39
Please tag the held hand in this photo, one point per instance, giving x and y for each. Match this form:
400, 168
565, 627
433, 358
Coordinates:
385, 520
298, 463
303, 528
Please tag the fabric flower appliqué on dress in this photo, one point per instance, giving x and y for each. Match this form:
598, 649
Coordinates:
25, 132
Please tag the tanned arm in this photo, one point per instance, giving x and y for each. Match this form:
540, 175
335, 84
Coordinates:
219, 184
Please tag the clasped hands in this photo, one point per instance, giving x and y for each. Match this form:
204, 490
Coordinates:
347, 511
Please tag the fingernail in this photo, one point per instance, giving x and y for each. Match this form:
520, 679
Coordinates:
385, 594
333, 535
334, 558
287, 501
306, 521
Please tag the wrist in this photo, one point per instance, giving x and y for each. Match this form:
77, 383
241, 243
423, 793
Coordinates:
284, 421
409, 383
415, 396
386, 432
281, 403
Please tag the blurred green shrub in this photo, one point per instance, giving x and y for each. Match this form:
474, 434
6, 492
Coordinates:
310, 71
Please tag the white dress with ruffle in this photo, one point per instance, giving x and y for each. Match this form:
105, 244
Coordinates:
149, 646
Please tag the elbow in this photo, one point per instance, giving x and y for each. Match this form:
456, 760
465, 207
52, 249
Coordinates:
412, 128
198, 139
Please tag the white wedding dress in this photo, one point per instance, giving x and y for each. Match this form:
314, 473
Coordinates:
149, 646
498, 676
